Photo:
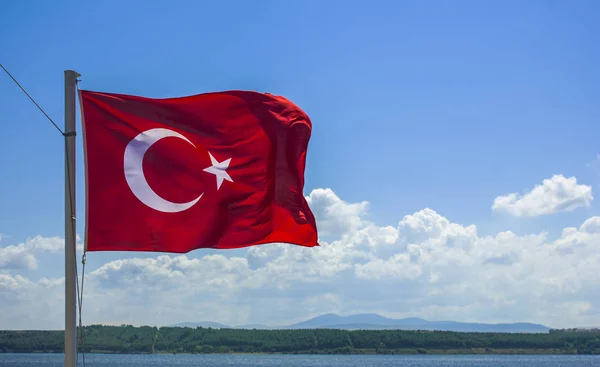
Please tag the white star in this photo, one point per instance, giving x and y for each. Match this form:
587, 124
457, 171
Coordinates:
219, 170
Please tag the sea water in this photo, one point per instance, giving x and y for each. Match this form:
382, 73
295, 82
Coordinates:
256, 360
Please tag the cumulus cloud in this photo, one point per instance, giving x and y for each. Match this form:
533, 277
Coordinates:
17, 257
334, 215
23, 255
31, 304
556, 194
425, 266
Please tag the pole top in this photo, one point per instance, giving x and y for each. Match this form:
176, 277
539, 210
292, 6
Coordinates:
67, 72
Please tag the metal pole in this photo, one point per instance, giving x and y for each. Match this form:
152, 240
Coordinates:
70, 262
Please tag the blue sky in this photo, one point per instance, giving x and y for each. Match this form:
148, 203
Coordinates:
442, 105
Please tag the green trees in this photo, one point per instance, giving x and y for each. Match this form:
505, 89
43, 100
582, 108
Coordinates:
146, 339
121, 339
31, 341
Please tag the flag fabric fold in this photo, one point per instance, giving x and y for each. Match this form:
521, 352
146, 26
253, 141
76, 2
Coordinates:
216, 170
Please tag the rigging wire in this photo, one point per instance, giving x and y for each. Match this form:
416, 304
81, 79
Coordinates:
83, 260
80, 296
32, 100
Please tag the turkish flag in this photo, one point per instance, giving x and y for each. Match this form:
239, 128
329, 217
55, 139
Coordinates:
216, 170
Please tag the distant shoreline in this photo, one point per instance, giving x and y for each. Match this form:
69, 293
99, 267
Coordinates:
127, 339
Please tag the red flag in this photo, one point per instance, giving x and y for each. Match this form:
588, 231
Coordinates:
215, 170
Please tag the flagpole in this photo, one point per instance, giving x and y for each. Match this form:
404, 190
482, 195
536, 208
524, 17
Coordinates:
70, 261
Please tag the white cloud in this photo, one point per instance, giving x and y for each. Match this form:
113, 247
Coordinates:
425, 266
31, 304
556, 194
17, 257
334, 215
23, 255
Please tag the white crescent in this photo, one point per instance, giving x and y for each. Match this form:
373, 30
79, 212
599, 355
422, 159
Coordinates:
134, 173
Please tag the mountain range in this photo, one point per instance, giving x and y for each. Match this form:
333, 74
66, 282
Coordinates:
377, 322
